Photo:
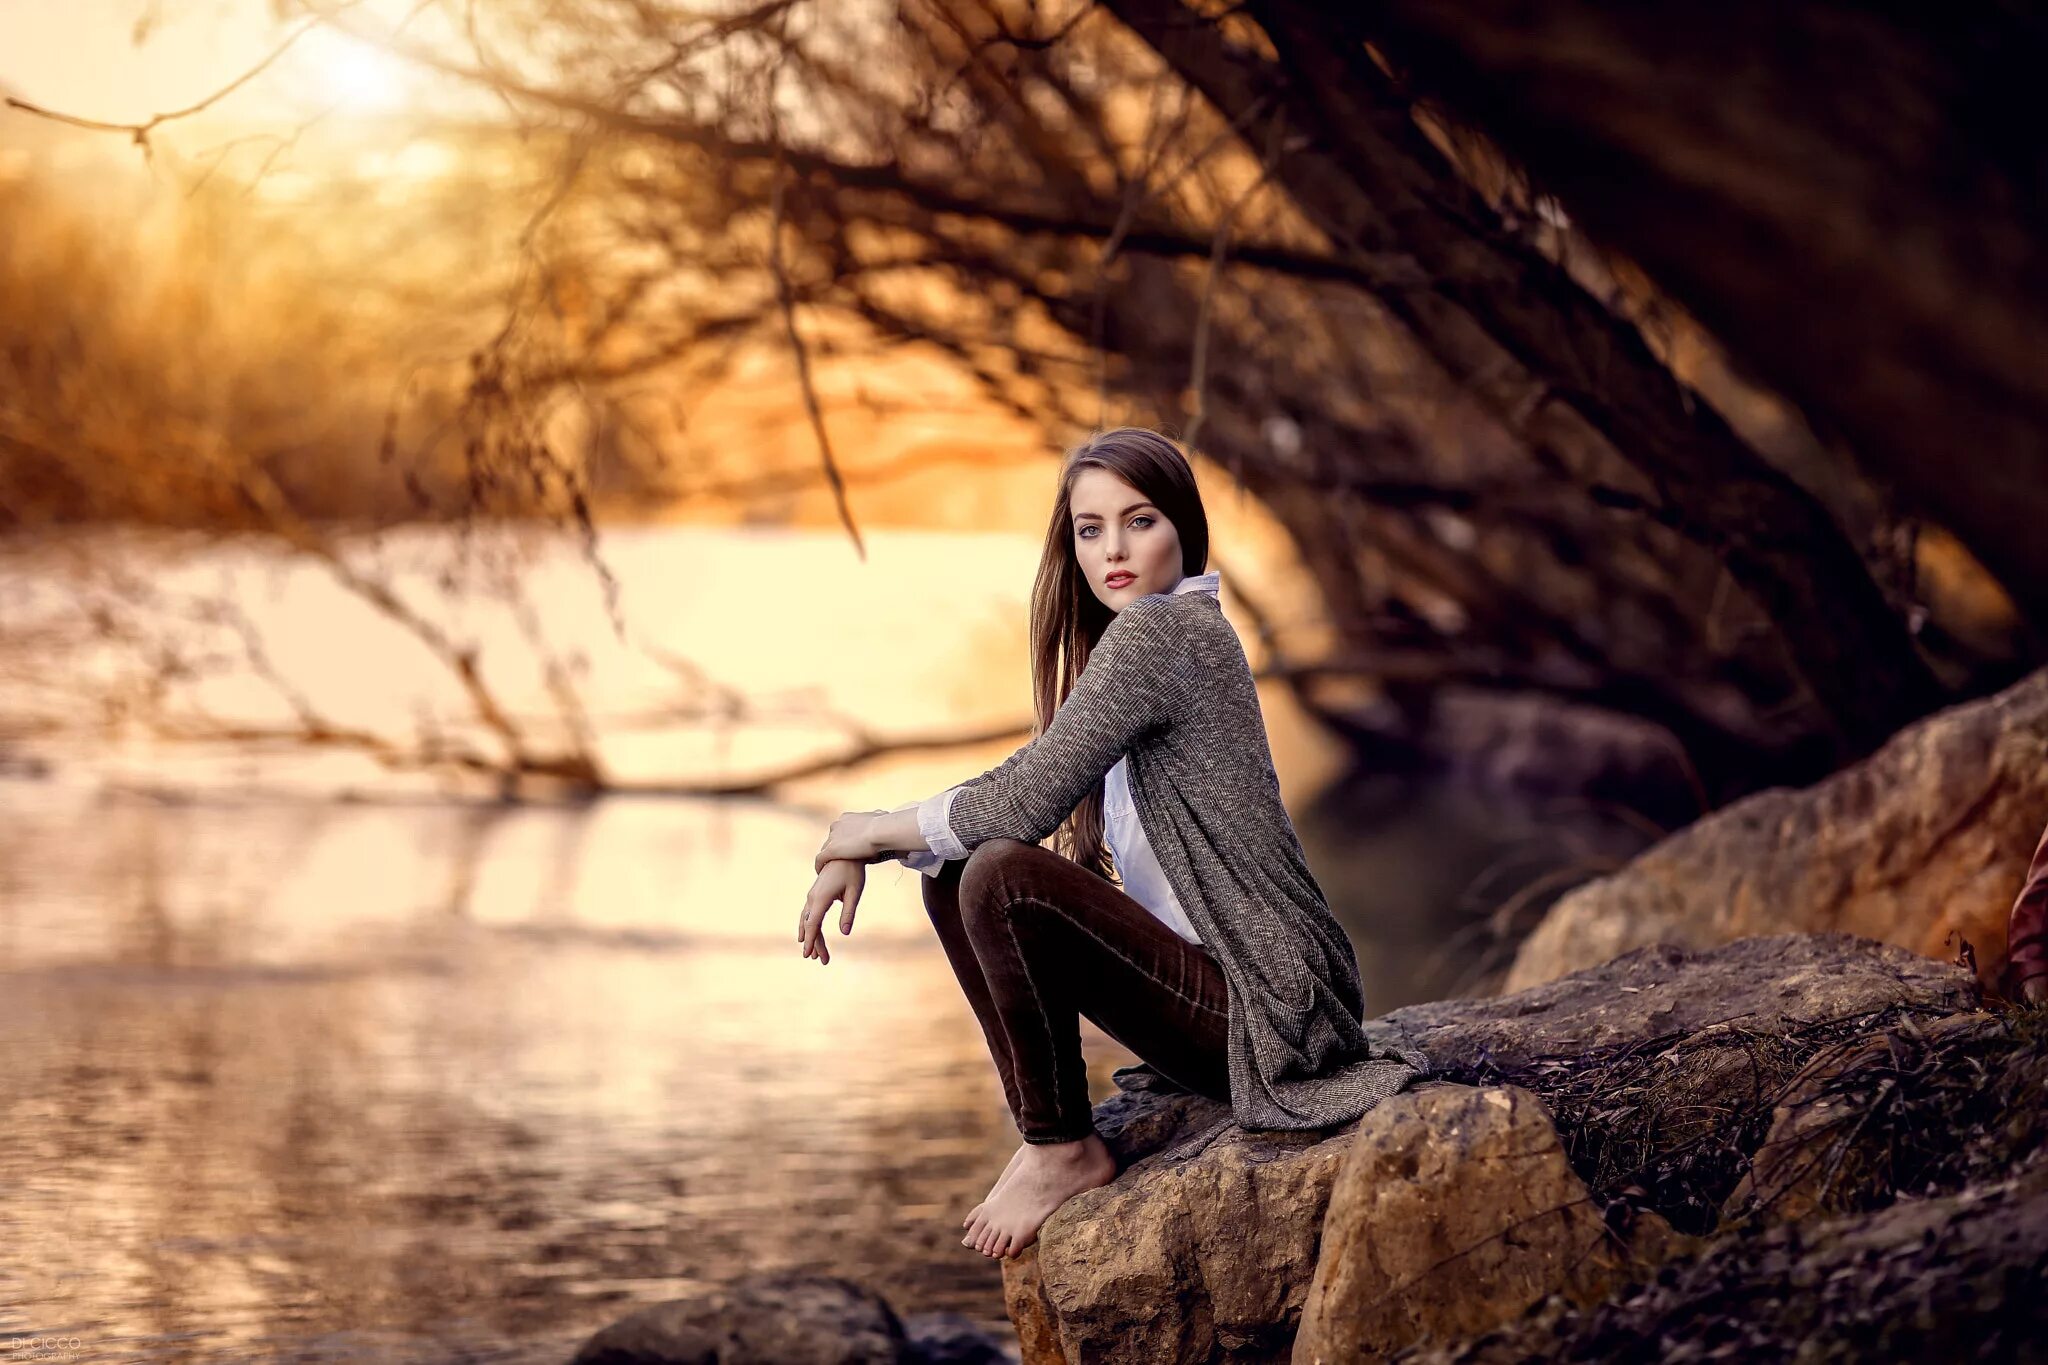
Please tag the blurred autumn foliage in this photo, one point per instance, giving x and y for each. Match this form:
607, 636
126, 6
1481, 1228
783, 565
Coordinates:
1523, 453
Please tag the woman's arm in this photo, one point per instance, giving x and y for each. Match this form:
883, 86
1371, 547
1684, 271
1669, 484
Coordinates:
896, 835
869, 836
1136, 679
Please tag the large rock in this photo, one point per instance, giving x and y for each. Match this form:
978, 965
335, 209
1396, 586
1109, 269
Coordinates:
789, 1319
1455, 1211
1767, 983
1207, 1244
1202, 1253
757, 1321
1929, 836
1659, 1067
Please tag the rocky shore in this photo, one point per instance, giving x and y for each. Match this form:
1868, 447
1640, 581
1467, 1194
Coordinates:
1923, 844
1681, 1135
1810, 1145
1592, 1141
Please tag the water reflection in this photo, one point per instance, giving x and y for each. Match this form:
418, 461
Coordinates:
257, 1097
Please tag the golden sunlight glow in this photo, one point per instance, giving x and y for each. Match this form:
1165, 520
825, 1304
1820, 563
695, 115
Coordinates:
353, 74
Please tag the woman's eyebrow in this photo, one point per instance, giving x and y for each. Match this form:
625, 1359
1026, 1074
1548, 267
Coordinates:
1096, 516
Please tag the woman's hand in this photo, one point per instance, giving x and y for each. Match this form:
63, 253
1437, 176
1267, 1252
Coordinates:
851, 837
842, 879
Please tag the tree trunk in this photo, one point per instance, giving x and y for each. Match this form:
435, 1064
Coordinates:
1852, 197
1562, 369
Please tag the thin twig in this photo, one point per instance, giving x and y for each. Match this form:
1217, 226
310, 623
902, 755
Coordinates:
787, 297
141, 131
1199, 364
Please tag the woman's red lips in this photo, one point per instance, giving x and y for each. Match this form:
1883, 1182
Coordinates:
1117, 580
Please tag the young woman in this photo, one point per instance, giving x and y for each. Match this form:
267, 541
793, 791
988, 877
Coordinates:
1218, 962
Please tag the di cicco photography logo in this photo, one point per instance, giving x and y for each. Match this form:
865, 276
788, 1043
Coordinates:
42, 1348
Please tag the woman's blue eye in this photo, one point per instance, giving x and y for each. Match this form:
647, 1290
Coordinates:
1082, 532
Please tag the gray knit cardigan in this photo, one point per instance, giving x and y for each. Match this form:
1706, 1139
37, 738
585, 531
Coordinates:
1168, 684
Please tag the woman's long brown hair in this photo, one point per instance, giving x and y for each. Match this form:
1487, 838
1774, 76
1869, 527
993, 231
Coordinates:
1067, 618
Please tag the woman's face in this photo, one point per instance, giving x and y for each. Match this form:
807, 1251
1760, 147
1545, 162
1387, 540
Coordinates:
1126, 547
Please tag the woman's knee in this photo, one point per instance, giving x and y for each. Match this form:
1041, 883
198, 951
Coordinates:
982, 877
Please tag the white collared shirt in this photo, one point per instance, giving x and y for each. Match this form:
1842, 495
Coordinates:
1143, 879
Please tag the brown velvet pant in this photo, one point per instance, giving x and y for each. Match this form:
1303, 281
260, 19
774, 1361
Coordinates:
1038, 941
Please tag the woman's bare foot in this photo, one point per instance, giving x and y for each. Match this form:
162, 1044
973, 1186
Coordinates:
1048, 1174
972, 1222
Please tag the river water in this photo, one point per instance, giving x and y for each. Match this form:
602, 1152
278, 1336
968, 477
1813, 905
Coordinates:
305, 1063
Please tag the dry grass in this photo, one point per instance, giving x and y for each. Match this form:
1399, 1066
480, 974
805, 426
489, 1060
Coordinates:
1670, 1123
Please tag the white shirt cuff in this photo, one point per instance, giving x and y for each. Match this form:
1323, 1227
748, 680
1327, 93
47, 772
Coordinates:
933, 822
919, 860
931, 864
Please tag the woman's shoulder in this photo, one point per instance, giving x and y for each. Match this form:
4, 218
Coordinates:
1168, 611
1191, 617
1171, 623
1142, 627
